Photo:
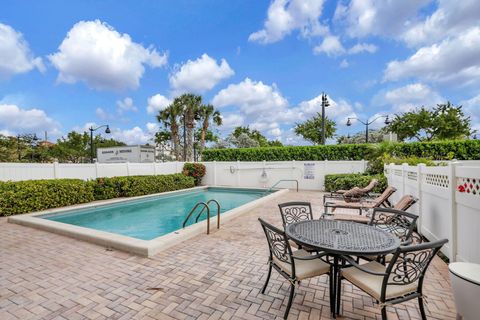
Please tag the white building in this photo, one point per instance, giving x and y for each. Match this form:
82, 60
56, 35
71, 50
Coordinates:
138, 154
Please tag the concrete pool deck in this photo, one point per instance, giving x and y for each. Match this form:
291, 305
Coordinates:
49, 276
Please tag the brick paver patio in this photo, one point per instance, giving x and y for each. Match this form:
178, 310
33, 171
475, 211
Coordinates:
47, 276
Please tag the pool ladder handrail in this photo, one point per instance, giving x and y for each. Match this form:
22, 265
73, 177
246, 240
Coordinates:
205, 206
283, 180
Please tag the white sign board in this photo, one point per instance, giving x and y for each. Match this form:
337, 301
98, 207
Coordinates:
309, 171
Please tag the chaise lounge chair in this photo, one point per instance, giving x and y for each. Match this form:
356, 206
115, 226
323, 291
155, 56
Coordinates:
353, 195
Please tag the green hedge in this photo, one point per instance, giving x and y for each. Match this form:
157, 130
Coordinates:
442, 150
116, 187
308, 153
34, 195
334, 182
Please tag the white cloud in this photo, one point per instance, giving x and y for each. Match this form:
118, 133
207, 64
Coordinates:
363, 47
339, 110
455, 60
408, 97
231, 120
136, 135
331, 46
362, 18
252, 97
15, 54
285, 16
157, 103
102, 114
17, 120
97, 54
472, 109
449, 19
126, 105
200, 75
344, 64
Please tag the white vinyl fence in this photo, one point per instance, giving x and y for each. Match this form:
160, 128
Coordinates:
34, 171
448, 206
309, 174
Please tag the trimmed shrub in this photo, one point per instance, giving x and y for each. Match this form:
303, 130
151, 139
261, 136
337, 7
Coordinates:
35, 195
441, 150
334, 182
116, 187
195, 170
308, 153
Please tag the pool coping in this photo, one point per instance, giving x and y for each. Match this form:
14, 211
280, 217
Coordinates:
145, 248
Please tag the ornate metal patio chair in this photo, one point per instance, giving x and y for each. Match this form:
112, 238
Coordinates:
295, 211
293, 266
360, 207
352, 195
400, 280
397, 222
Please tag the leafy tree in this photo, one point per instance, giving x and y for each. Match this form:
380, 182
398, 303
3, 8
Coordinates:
8, 149
374, 136
445, 121
275, 143
311, 129
243, 140
169, 117
207, 113
252, 134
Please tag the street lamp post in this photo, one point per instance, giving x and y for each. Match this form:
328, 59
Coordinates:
107, 130
325, 104
367, 123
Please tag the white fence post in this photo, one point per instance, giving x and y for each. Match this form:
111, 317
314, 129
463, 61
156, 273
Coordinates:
128, 168
238, 173
214, 172
419, 192
453, 210
96, 170
55, 170
154, 168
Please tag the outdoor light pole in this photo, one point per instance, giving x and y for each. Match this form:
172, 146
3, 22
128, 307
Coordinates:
325, 104
367, 123
107, 130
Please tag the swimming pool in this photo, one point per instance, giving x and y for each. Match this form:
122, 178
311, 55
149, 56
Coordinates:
150, 218
148, 224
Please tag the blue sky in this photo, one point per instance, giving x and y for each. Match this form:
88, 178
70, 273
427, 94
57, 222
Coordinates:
66, 65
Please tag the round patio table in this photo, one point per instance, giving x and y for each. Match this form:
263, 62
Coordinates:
340, 238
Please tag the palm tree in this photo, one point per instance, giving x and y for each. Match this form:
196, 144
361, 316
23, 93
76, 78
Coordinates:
169, 118
205, 113
190, 105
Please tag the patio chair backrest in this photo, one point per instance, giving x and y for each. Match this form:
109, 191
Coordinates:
277, 243
295, 211
409, 264
370, 186
397, 222
384, 196
405, 202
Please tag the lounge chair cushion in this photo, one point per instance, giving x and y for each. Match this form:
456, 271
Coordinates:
303, 268
372, 284
351, 217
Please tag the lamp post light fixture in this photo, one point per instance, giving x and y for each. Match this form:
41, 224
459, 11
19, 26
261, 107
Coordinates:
92, 129
367, 123
325, 104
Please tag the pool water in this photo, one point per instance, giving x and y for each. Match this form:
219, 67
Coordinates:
150, 218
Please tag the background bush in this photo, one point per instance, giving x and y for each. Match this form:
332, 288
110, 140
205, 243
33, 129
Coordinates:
35, 195
195, 170
441, 150
334, 182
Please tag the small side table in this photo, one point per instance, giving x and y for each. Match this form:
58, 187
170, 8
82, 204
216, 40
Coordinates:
465, 279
